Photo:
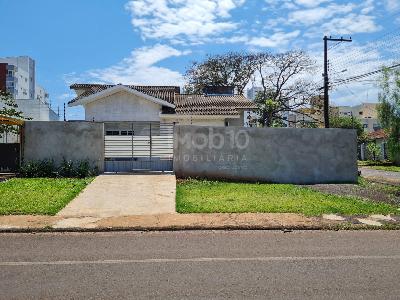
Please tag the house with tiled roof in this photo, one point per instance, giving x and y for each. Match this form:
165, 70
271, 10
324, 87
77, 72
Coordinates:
134, 103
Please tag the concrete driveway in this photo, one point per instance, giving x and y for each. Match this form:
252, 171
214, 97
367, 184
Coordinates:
124, 195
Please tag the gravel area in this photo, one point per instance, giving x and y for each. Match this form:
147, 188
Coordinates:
373, 191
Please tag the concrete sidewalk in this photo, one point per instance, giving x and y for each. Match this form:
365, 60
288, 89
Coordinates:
265, 221
380, 175
121, 195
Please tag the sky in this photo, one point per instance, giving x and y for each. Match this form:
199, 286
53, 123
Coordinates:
154, 41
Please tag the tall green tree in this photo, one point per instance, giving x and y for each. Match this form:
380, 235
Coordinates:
389, 111
230, 69
287, 82
9, 108
349, 123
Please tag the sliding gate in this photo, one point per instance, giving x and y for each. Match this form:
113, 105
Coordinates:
138, 146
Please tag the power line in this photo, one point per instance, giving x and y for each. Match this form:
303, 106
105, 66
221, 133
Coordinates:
369, 51
355, 78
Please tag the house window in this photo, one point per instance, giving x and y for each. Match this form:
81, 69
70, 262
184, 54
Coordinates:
126, 132
360, 113
112, 132
226, 123
376, 127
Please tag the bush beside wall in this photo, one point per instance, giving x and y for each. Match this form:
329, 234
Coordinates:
47, 168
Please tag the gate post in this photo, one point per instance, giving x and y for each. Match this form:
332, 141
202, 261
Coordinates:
132, 147
151, 148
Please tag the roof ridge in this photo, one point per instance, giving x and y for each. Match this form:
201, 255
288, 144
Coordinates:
127, 85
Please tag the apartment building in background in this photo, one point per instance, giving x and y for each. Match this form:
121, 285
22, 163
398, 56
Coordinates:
252, 92
18, 77
365, 112
313, 116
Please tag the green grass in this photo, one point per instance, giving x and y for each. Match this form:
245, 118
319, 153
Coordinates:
386, 168
46, 196
379, 165
196, 196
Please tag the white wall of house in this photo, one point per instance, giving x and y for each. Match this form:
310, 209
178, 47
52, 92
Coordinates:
236, 121
36, 110
33, 109
122, 106
205, 122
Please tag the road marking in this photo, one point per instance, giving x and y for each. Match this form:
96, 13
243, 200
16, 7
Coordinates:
195, 259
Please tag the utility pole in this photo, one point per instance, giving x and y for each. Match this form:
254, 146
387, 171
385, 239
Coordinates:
326, 76
352, 120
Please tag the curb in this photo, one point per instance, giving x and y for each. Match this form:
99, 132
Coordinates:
328, 227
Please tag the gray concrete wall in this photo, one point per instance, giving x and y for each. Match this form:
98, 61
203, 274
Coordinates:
70, 140
282, 155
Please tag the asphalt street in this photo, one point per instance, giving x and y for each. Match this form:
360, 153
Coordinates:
201, 264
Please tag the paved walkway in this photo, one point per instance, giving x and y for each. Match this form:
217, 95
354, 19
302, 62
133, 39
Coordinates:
204, 221
124, 195
380, 175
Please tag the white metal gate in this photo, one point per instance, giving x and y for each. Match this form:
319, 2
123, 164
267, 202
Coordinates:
138, 146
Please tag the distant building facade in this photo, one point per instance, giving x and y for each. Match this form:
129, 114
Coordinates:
252, 92
365, 112
18, 77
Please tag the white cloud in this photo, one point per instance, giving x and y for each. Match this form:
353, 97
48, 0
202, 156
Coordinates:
72, 77
139, 68
352, 23
367, 7
275, 40
65, 96
392, 5
190, 20
315, 15
310, 3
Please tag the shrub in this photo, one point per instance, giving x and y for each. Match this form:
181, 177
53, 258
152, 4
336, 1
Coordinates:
82, 169
66, 169
41, 168
47, 168
29, 169
374, 150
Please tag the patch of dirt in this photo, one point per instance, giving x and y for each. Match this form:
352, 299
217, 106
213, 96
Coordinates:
376, 193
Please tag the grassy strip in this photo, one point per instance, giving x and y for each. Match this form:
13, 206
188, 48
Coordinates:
386, 168
196, 196
20, 196
379, 165
364, 163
